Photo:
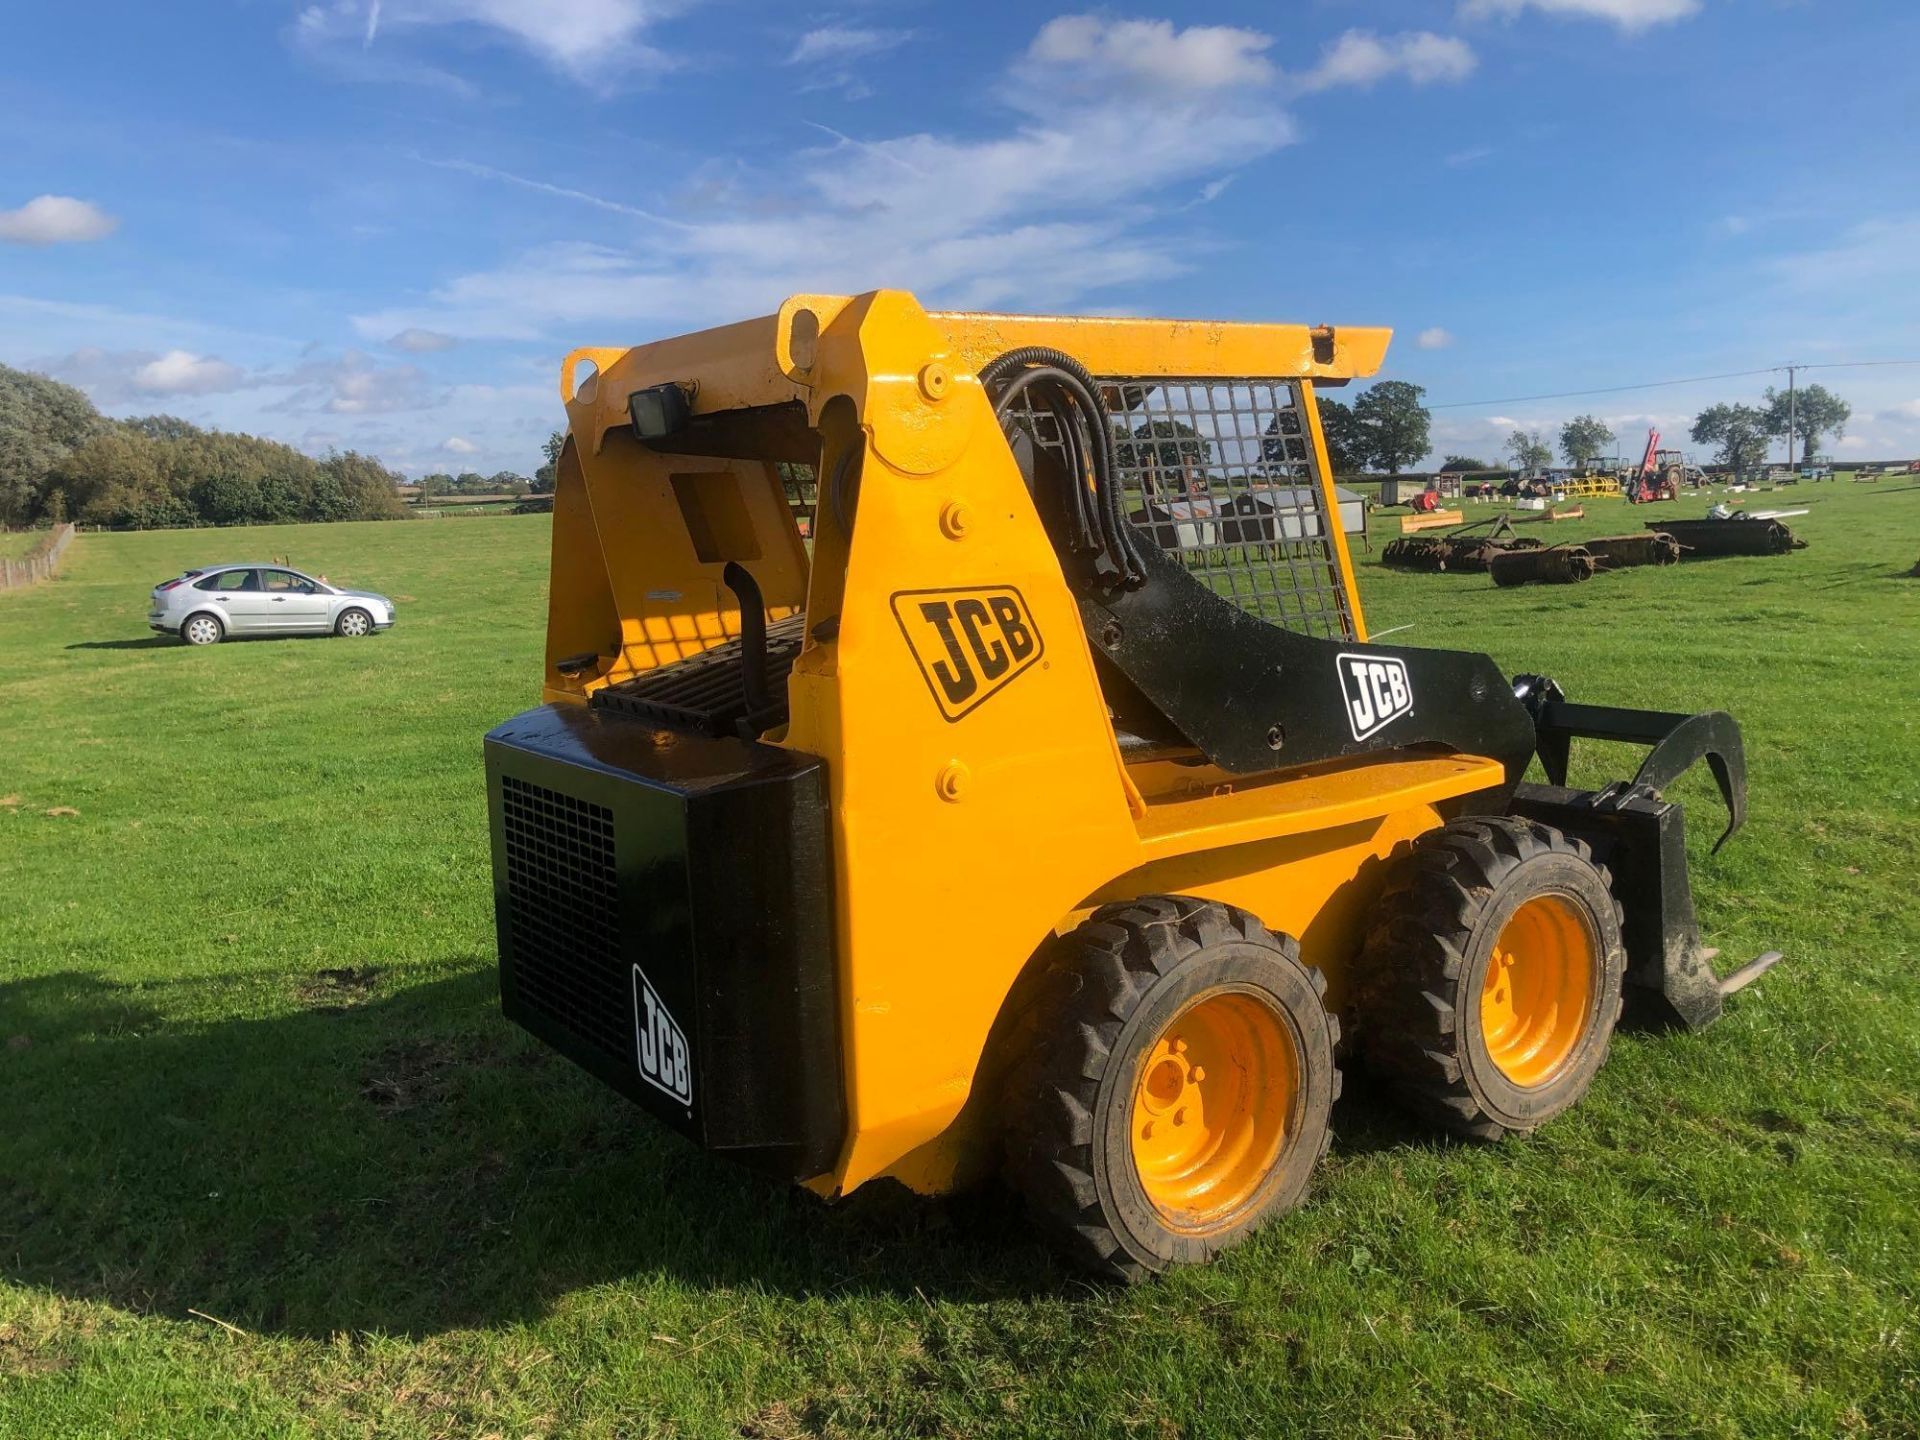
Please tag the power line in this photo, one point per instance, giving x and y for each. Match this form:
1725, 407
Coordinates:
1663, 384
1849, 364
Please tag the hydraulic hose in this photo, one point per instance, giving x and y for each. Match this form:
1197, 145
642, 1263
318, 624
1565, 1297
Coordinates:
1072, 396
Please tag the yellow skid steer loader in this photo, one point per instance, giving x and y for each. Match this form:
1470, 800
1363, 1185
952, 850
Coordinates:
1048, 810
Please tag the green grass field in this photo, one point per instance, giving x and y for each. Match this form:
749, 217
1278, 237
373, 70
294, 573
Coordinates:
15, 543
271, 1163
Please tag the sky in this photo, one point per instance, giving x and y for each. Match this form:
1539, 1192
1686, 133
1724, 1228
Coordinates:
379, 224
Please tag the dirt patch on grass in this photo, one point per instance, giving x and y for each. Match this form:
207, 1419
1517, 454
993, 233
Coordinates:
330, 992
23, 1355
413, 1073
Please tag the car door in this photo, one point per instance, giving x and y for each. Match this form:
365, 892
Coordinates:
294, 603
236, 597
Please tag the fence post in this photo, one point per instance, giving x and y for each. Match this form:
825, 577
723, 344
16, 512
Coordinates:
40, 563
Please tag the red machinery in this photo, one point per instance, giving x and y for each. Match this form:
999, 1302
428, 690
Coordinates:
1654, 480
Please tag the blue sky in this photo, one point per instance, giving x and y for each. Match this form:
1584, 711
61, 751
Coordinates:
378, 224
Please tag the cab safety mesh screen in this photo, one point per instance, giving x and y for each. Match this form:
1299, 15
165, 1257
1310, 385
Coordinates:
1220, 473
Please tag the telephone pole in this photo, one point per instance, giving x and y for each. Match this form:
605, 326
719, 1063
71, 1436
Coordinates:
1793, 410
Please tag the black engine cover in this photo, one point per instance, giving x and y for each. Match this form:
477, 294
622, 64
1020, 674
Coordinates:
665, 912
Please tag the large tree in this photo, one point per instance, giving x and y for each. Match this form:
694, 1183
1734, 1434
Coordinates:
1584, 438
41, 421
548, 474
1738, 432
1395, 427
1529, 450
1813, 414
1170, 444
1346, 446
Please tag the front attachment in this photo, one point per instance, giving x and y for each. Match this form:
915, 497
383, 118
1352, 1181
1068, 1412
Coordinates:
1641, 838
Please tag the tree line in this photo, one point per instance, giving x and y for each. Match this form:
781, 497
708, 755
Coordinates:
1740, 434
472, 482
1388, 428
60, 459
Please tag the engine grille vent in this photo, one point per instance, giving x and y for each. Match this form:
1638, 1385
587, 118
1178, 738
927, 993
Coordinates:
563, 914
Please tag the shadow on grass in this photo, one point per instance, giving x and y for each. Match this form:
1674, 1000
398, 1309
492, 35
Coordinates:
405, 1163
174, 642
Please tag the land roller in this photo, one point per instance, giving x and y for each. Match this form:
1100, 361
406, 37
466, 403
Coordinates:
1047, 813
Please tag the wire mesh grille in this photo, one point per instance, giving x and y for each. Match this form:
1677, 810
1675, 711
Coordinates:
1220, 473
563, 913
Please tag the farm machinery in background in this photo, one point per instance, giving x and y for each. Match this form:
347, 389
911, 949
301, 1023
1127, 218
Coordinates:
1661, 474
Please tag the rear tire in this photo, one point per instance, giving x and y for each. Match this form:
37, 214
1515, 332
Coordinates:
1173, 1091
202, 630
1490, 978
353, 623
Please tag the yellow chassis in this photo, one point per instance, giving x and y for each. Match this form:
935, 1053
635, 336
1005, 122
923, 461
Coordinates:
959, 843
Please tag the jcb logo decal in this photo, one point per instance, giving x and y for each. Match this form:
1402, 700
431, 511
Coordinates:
1377, 692
969, 643
659, 1044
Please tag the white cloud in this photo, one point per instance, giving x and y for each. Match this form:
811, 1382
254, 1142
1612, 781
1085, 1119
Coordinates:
1362, 58
1197, 59
416, 341
1908, 408
838, 44
1629, 15
1055, 205
353, 385
582, 37
121, 376
1434, 339
1472, 155
180, 372
1873, 252
1108, 130
56, 220
459, 445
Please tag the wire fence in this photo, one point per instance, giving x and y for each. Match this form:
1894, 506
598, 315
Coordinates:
42, 562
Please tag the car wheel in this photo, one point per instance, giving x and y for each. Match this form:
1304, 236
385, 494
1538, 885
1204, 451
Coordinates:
202, 630
353, 624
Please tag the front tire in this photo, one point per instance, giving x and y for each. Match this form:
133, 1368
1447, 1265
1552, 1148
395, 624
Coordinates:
202, 630
1175, 1085
1491, 975
353, 624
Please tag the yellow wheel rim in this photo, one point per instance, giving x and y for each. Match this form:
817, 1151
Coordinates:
1212, 1108
1539, 989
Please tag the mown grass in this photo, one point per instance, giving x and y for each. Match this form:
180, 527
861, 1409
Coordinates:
271, 1164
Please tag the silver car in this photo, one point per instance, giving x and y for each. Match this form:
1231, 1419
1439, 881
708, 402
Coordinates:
204, 607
